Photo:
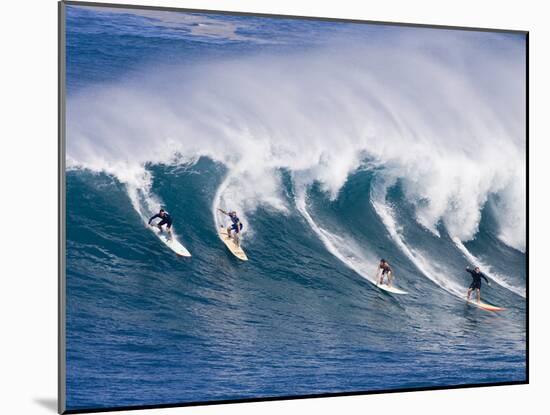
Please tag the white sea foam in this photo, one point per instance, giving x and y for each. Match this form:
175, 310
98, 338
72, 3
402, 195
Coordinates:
445, 114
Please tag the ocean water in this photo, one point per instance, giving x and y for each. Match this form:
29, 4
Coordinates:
338, 144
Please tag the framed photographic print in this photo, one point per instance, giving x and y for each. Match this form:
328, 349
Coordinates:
259, 207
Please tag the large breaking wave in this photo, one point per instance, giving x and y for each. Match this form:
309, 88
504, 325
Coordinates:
443, 117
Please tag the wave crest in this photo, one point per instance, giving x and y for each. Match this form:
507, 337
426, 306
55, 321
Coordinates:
446, 116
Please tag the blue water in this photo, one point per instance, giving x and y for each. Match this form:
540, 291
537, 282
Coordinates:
146, 327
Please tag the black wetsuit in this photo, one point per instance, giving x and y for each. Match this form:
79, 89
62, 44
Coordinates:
237, 226
166, 219
476, 279
385, 269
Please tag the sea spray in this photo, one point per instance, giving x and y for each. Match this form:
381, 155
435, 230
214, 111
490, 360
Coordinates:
453, 134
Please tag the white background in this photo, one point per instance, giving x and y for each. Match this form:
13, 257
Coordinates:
28, 208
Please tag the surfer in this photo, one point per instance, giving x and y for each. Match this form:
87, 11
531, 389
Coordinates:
384, 269
166, 219
236, 224
477, 275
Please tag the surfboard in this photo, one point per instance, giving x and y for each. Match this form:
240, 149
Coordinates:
171, 242
391, 289
231, 245
485, 306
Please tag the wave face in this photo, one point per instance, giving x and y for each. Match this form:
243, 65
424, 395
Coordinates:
338, 145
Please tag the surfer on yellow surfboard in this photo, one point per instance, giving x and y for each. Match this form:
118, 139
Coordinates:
236, 224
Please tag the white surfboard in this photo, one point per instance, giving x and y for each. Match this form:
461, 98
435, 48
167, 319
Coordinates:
232, 245
171, 242
390, 289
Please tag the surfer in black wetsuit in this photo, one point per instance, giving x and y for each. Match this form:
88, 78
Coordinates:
384, 269
166, 219
477, 275
236, 224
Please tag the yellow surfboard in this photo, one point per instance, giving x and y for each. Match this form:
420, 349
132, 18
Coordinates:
232, 245
485, 306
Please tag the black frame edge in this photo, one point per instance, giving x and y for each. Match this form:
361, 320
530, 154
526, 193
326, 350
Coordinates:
61, 347
289, 398
286, 16
527, 207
